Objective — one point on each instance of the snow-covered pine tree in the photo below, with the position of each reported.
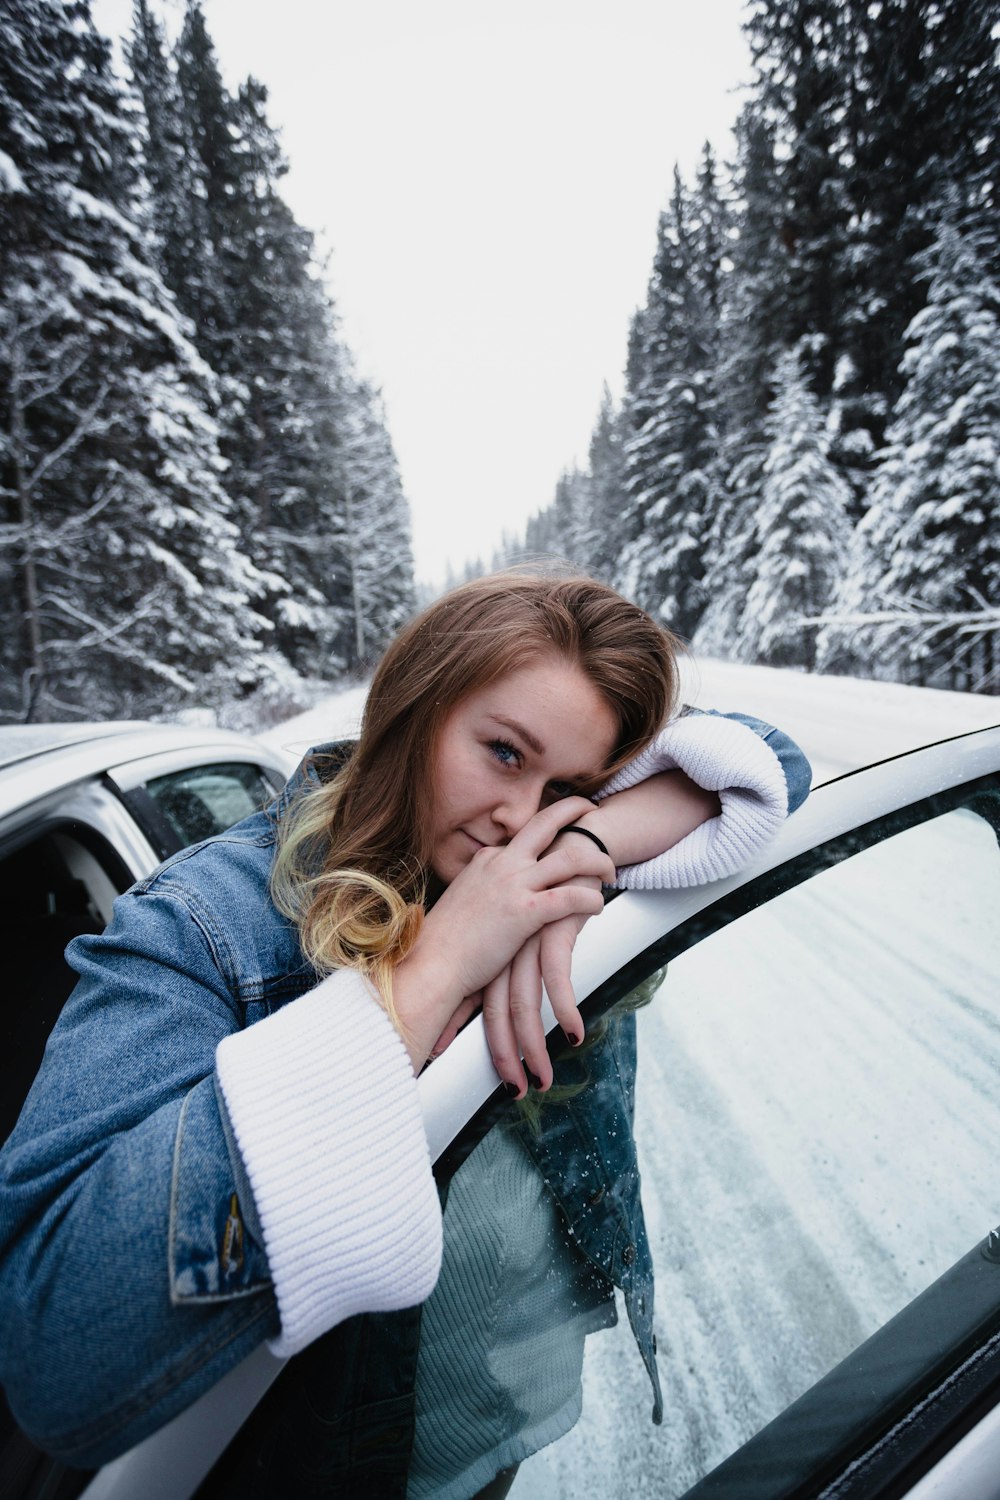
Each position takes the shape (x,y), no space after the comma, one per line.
(799,52)
(206,280)
(921,95)
(177,194)
(753,330)
(802,528)
(606,465)
(931,542)
(377,538)
(878,110)
(123,589)
(582,523)
(275,342)
(539,540)
(731,551)
(671,426)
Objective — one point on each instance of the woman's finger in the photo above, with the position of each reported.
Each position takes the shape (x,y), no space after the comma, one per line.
(467,1009)
(500,1033)
(568,901)
(556,943)
(540,829)
(569,858)
(525,1000)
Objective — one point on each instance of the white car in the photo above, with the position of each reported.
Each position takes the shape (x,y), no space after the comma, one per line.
(818,1117)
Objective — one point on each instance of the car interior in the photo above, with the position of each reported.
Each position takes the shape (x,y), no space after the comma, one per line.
(54,886)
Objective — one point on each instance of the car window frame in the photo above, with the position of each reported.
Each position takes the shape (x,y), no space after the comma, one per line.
(152,819)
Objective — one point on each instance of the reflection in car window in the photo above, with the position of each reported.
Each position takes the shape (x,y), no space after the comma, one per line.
(206,800)
(815,1139)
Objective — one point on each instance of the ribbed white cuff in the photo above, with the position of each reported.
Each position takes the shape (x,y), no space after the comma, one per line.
(723,756)
(324,1108)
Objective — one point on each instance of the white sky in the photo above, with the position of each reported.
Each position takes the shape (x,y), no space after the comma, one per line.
(487,179)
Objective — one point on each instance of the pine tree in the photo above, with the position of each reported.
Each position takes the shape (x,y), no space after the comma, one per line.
(802,528)
(931,542)
(606,462)
(383,595)
(754,329)
(116,521)
(209,280)
(878,109)
(269,329)
(177,206)
(922,98)
(671,424)
(799,50)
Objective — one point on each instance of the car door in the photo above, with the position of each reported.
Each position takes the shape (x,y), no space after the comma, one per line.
(63,860)
(816,1119)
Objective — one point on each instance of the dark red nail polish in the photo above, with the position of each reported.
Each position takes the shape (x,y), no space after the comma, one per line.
(573,1038)
(536,1083)
(510,1089)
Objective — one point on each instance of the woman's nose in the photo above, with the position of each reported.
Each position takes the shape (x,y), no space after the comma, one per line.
(519,804)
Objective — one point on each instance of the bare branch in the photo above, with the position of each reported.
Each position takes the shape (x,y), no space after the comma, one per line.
(84,427)
(983,619)
(65,571)
(101,634)
(55,382)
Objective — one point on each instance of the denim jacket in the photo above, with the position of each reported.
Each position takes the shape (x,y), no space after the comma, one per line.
(132,1278)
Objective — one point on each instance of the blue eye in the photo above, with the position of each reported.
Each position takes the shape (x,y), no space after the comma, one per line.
(506,753)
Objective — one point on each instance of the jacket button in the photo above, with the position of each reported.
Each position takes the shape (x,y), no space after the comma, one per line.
(596,1197)
(628,1255)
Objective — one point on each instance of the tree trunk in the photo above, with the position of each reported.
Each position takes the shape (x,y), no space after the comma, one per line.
(32,674)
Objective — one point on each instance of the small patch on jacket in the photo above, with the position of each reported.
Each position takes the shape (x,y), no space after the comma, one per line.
(231,1253)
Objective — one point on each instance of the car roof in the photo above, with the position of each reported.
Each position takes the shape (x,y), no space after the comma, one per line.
(49,758)
(19,741)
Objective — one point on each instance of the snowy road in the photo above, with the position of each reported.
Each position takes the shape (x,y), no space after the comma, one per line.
(818,1106)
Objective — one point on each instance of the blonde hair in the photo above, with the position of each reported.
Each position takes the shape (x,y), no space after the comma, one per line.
(353,849)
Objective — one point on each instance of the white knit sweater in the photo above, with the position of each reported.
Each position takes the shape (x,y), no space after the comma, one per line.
(324,1104)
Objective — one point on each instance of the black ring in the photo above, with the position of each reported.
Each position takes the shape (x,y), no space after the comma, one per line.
(575,828)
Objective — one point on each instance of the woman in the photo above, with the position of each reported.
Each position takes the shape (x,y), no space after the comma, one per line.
(224,1146)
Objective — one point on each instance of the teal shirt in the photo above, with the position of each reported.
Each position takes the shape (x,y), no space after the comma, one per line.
(502,1336)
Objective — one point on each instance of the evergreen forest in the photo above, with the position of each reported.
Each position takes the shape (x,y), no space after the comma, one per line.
(805,466)
(201,502)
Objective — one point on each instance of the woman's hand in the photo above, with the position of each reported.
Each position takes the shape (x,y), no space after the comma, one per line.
(503,897)
(635,825)
(512,1002)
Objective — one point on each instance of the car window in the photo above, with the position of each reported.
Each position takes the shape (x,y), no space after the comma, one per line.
(816,1140)
(200,801)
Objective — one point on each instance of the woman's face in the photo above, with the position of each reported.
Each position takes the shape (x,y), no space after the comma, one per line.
(507,750)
